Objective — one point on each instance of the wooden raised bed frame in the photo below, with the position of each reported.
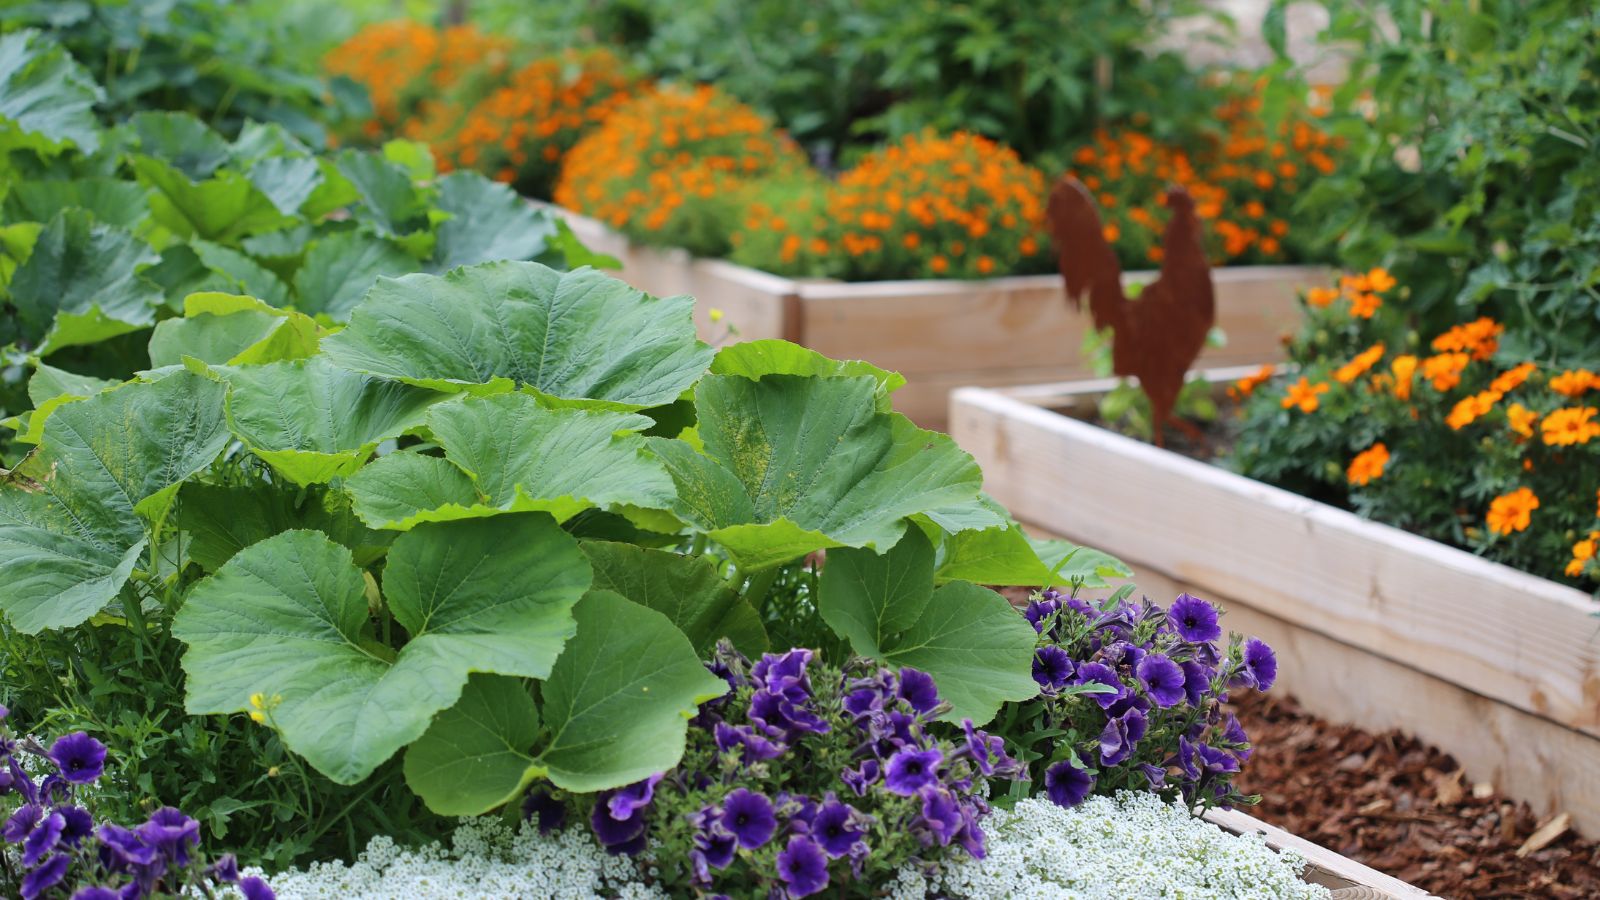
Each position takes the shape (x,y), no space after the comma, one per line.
(1373,625)
(1348,879)
(939,334)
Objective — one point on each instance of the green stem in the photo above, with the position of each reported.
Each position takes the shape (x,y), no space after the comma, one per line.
(760,583)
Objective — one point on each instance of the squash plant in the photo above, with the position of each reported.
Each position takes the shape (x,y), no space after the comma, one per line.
(496,522)
(105,232)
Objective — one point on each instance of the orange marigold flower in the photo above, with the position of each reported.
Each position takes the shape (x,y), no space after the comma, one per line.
(1582,552)
(1404,368)
(1513,378)
(1247,385)
(1368,465)
(1357,367)
(1521,419)
(1468,409)
(1303,394)
(1569,426)
(1365,305)
(939,265)
(1480,338)
(1321,296)
(1444,370)
(1574,382)
(1380,280)
(1512,512)
(1111,232)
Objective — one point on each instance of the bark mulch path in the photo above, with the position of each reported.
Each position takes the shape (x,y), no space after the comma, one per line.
(1404,808)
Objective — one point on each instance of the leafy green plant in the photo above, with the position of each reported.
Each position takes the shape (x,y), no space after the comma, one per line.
(108,231)
(1470,131)
(228,63)
(444,529)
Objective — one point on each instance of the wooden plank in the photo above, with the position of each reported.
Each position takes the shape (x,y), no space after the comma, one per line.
(915,327)
(1325,867)
(1528,643)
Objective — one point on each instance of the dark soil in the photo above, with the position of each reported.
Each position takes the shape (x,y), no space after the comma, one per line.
(1405,808)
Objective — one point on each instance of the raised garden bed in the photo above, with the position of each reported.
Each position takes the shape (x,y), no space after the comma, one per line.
(1348,879)
(1373,625)
(940,334)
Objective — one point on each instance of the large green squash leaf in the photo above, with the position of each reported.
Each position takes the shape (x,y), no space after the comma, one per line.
(390,203)
(82,284)
(616,709)
(287,618)
(488,221)
(70,513)
(231,329)
(243,274)
(977,648)
(794,464)
(511,453)
(341,268)
(314,422)
(46,99)
(575,335)
(182,140)
(224,208)
(288,181)
(219,520)
(111,200)
(49,389)
(688,590)
(755,359)
(1006,555)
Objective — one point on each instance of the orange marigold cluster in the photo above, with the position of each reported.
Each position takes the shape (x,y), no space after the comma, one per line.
(1242,182)
(1575,382)
(1480,338)
(960,206)
(1368,465)
(403,64)
(519,132)
(1363,291)
(1247,385)
(1304,395)
(1582,552)
(668,167)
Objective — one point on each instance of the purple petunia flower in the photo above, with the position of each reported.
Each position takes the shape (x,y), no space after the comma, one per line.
(1066,784)
(1162,680)
(1100,673)
(43,839)
(633,798)
(752,746)
(1196,681)
(21,822)
(1261,663)
(1156,775)
(836,827)
(1040,610)
(803,867)
(171,832)
(549,813)
(941,814)
(96,893)
(1216,760)
(1121,737)
(749,817)
(862,777)
(863,701)
(79,824)
(910,769)
(781,717)
(254,888)
(226,869)
(80,758)
(1233,732)
(123,849)
(618,836)
(1052,667)
(45,876)
(918,690)
(1194,619)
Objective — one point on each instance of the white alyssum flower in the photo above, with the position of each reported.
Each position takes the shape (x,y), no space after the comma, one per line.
(1130,847)
(487,859)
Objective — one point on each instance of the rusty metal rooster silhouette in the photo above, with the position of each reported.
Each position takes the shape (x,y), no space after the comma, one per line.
(1157,337)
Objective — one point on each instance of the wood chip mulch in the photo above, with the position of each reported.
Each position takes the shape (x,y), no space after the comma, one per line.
(1404,808)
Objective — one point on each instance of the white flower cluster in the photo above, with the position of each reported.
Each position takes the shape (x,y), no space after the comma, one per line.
(1130,847)
(487,860)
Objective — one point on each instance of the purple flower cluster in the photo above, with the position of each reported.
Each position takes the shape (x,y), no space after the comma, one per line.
(1137,693)
(793,783)
(59,844)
